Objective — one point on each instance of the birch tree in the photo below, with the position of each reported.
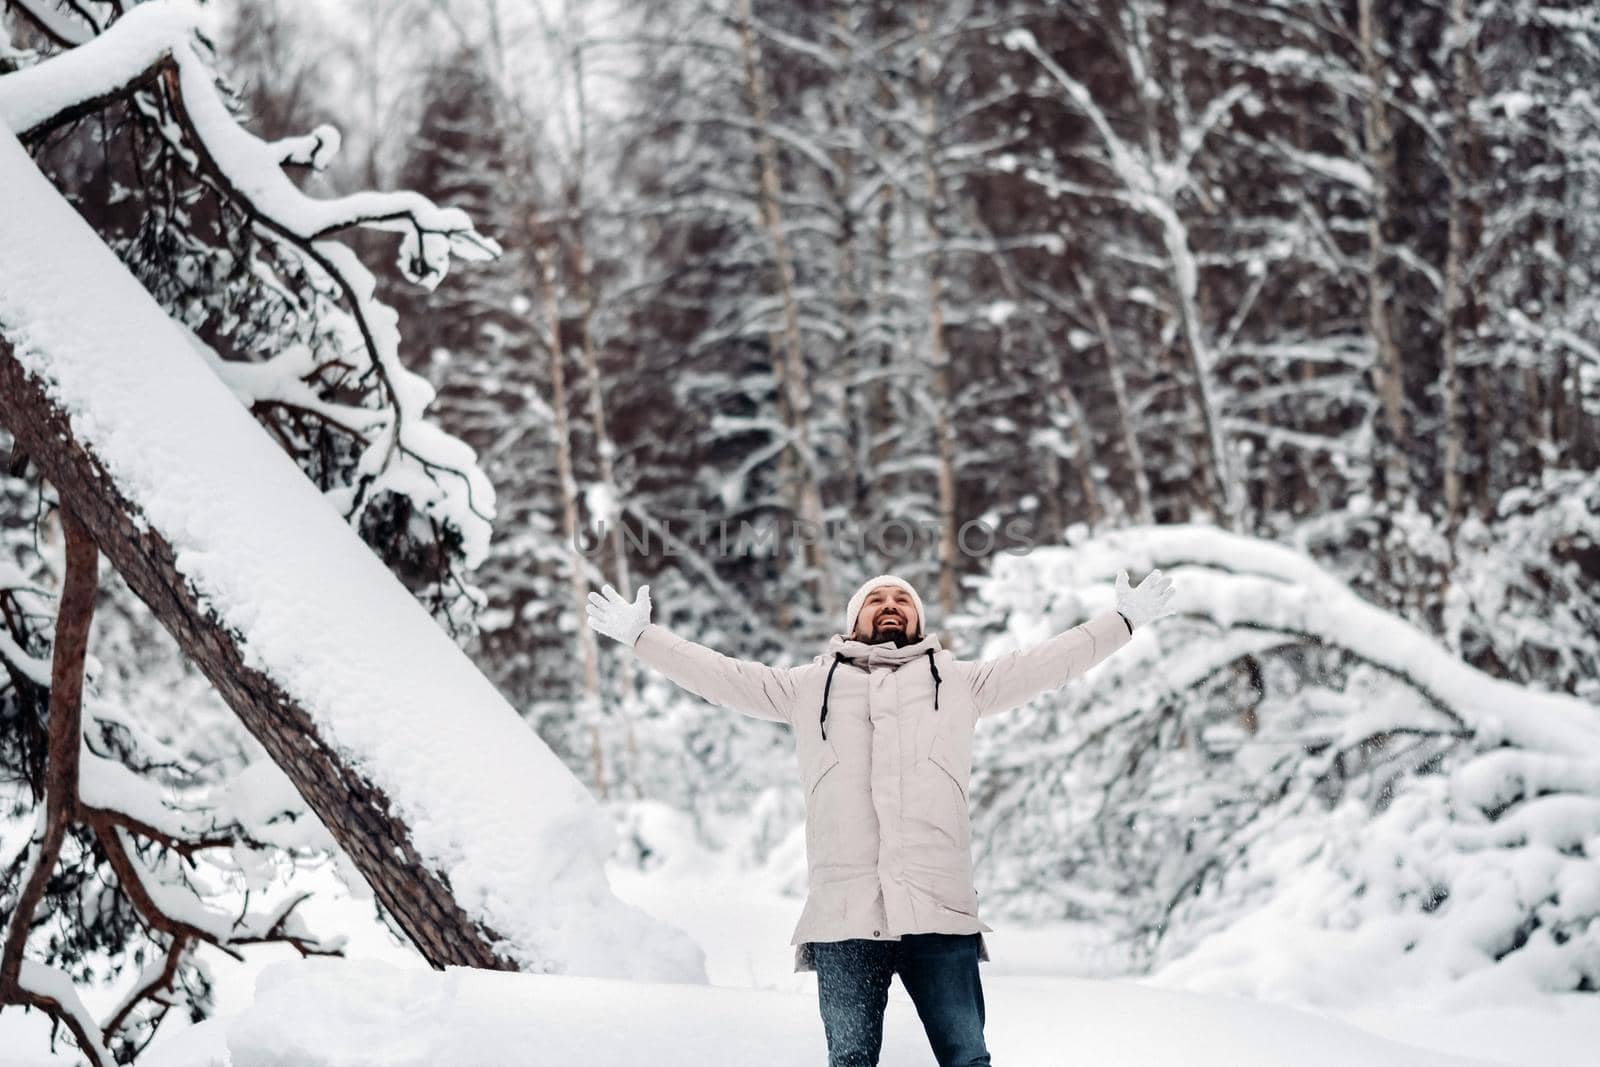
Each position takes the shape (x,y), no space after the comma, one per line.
(1149,177)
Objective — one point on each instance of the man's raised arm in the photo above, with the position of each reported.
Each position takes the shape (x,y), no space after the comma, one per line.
(741,685)
(1003,682)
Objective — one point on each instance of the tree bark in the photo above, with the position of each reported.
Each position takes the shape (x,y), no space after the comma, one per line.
(354,810)
(605,448)
(852,304)
(577,579)
(793,381)
(938,352)
(74,613)
(1127,420)
(1464,227)
(1394,458)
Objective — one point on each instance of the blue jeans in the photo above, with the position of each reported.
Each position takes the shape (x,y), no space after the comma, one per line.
(940,971)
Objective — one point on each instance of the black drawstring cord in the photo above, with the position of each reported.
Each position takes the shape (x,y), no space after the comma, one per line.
(838,658)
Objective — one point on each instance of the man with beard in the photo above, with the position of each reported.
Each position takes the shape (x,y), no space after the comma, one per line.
(883,722)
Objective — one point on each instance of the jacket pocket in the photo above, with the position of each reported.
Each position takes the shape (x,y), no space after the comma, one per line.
(947,765)
(966,904)
(825,760)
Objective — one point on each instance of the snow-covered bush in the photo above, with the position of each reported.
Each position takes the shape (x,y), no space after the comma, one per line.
(1284,780)
(1526,600)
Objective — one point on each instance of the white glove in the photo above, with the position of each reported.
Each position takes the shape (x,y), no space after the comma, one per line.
(1148,601)
(618,619)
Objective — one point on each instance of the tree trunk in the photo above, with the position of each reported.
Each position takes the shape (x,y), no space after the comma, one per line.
(576,576)
(1396,450)
(1127,422)
(604,448)
(794,382)
(355,812)
(1463,231)
(852,304)
(938,353)
(880,445)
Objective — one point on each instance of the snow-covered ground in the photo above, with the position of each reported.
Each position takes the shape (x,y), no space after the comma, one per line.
(1051,993)
(332,1013)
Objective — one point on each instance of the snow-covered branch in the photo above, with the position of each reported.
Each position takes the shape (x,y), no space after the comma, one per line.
(1240,581)
(149,843)
(72,26)
(52,992)
(155,41)
(153,49)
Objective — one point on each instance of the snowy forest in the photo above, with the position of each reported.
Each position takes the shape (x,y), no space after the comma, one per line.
(363,339)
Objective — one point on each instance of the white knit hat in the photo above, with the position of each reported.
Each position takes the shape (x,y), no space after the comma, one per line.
(868,586)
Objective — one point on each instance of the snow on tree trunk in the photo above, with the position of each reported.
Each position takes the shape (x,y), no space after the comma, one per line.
(471,832)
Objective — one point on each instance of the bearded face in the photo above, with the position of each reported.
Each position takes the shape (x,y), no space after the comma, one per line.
(888,614)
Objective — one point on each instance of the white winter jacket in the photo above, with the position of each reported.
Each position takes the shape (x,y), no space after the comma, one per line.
(884,740)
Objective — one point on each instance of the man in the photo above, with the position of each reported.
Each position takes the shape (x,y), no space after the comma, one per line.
(883,723)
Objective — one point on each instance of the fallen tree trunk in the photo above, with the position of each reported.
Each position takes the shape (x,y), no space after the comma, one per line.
(354,810)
